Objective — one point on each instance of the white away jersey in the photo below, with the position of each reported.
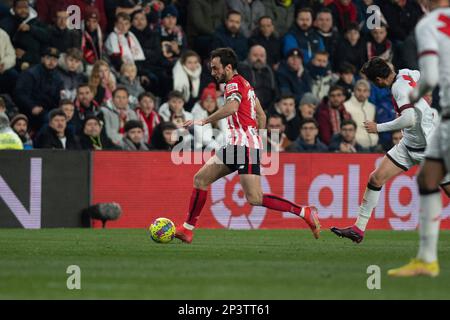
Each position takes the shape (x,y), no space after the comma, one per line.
(433,37)
(426,119)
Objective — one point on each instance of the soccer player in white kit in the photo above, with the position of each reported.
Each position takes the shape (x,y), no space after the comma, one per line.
(417,123)
(433,42)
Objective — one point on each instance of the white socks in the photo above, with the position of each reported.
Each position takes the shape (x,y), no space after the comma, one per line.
(369,202)
(188,226)
(430,211)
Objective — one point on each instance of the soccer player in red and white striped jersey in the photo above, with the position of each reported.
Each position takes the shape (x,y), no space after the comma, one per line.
(242,150)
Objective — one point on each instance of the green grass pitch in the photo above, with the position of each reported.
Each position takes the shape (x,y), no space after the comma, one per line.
(219,264)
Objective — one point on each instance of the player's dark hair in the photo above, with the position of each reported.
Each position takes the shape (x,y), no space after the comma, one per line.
(230,12)
(309,120)
(376,67)
(227,57)
(348,122)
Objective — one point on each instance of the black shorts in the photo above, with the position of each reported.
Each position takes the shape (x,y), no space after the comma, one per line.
(242,159)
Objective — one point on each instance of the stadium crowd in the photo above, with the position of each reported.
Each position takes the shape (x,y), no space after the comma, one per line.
(137,69)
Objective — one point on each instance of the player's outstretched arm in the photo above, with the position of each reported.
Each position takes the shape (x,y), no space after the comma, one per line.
(260,115)
(230,107)
(405,120)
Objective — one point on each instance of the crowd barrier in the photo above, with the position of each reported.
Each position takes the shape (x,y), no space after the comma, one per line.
(40,189)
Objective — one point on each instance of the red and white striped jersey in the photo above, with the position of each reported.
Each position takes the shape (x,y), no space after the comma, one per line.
(242,125)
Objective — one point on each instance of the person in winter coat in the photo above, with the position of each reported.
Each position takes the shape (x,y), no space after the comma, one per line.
(282,13)
(379,45)
(91,38)
(174,106)
(29,36)
(211,135)
(204,17)
(60,36)
(362,110)
(266,35)
(102,82)
(320,73)
(345,141)
(133,139)
(9,140)
(327,31)
(285,107)
(19,123)
(129,79)
(163,138)
(260,75)
(292,76)
(115,114)
(8,74)
(38,90)
(70,71)
(344,13)
(308,139)
(186,77)
(303,36)
(250,10)
(229,35)
(331,113)
(56,135)
(352,49)
(93,137)
(147,114)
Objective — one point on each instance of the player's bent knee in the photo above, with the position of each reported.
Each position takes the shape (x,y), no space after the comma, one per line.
(376,179)
(426,184)
(200,182)
(254,199)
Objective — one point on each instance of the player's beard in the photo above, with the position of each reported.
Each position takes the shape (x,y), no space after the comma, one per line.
(221,79)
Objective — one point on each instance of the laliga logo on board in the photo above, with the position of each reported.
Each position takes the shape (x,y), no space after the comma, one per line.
(232,214)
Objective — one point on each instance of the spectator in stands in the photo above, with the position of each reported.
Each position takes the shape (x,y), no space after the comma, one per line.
(229,35)
(292,76)
(250,10)
(345,140)
(286,108)
(46,9)
(308,139)
(164,137)
(328,33)
(303,36)
(319,70)
(282,13)
(91,38)
(56,135)
(379,45)
(29,36)
(351,49)
(9,140)
(362,110)
(366,17)
(174,106)
(173,39)
(401,16)
(147,115)
(115,114)
(129,79)
(158,80)
(344,13)
(102,82)
(308,106)
(8,74)
(60,36)
(73,124)
(39,88)
(204,17)
(20,126)
(266,36)
(331,113)
(70,71)
(85,104)
(211,135)
(88,6)
(186,77)
(122,46)
(260,75)
(276,139)
(93,137)
(346,78)
(133,139)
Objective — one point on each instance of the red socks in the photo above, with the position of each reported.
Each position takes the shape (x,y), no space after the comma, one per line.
(198,200)
(274,202)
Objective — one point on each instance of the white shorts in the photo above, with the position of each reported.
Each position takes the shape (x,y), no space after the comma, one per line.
(404,157)
(439,147)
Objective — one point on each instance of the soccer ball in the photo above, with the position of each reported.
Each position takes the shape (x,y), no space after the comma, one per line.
(162,230)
